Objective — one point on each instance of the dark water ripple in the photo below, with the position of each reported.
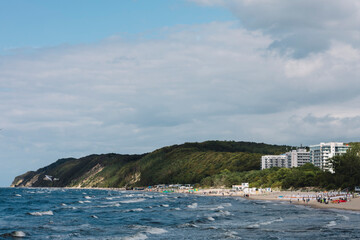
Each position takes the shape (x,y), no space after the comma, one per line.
(103,214)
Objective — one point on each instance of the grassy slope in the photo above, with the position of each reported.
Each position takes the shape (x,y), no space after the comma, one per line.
(186,163)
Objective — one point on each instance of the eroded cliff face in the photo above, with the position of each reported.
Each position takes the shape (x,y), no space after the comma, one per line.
(104,170)
(90,178)
(25,180)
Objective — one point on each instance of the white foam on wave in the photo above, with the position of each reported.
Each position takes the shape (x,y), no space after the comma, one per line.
(145,230)
(211,219)
(227,204)
(134,210)
(194,205)
(138,236)
(17,195)
(133,200)
(87,197)
(257,225)
(189,225)
(81,202)
(111,204)
(272,221)
(48,213)
(155,231)
(164,205)
(217,208)
(331,224)
(177,209)
(87,201)
(129,195)
(253,226)
(232,234)
(346,218)
(225,213)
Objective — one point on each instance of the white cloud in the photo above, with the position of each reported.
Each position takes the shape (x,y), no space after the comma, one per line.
(299,26)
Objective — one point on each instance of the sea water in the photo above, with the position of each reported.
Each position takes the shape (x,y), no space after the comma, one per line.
(46,213)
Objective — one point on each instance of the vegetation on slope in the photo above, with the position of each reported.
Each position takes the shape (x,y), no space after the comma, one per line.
(185,163)
(347,175)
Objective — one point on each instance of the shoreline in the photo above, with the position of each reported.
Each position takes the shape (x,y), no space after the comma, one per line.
(284,196)
(352,205)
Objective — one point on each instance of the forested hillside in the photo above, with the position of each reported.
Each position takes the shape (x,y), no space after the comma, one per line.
(185,163)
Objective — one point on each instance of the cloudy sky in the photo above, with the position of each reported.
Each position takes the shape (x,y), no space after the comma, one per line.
(83,77)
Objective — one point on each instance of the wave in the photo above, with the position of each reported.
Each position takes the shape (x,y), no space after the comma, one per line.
(186,225)
(155,231)
(145,230)
(331,224)
(258,224)
(194,205)
(226,204)
(133,200)
(231,234)
(48,213)
(134,210)
(346,218)
(222,213)
(138,236)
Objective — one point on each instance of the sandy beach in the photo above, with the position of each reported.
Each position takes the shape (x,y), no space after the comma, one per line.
(297,197)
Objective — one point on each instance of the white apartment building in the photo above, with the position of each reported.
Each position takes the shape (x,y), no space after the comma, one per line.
(294,158)
(269,161)
(320,154)
(297,158)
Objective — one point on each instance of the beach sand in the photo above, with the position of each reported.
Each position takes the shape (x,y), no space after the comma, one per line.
(353,204)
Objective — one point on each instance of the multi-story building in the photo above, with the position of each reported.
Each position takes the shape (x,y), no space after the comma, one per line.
(320,154)
(294,158)
(297,158)
(269,161)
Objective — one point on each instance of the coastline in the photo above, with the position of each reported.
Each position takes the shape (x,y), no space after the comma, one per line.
(352,205)
(285,196)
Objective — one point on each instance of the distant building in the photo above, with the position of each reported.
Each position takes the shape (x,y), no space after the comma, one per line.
(320,154)
(240,187)
(269,161)
(294,158)
(297,158)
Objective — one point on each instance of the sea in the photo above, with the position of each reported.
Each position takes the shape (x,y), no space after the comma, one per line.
(55,213)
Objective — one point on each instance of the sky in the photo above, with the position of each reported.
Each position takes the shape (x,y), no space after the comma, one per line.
(90,77)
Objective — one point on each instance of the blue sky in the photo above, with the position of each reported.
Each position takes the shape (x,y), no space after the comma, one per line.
(39,23)
(88,77)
